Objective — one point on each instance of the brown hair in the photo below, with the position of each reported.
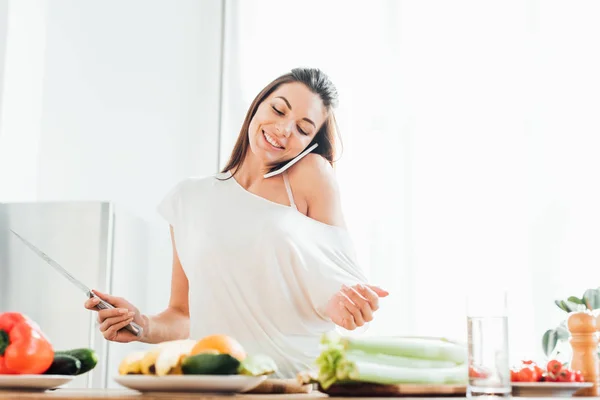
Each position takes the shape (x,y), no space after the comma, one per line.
(318,83)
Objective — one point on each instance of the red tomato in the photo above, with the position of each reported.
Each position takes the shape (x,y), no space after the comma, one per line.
(565,376)
(477,372)
(549,377)
(578,376)
(527,362)
(554,367)
(528,374)
(514,375)
(540,371)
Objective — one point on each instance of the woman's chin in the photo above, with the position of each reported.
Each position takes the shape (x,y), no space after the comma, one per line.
(267,156)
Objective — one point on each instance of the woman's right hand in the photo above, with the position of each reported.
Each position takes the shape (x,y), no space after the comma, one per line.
(112,320)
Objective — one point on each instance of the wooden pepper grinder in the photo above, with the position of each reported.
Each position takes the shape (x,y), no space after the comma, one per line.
(583,326)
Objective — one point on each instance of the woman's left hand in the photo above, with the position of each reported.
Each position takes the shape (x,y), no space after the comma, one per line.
(354,306)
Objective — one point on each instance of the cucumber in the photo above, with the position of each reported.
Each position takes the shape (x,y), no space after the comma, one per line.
(64,365)
(210,364)
(87,357)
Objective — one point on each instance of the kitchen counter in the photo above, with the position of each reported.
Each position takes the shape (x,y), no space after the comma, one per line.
(124,394)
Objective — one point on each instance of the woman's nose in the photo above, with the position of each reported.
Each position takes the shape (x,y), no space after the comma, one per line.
(285,128)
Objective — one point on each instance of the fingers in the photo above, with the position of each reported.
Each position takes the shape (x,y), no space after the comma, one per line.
(106,297)
(354,307)
(353,315)
(114,331)
(107,323)
(370,295)
(112,320)
(379,291)
(360,303)
(91,303)
(112,313)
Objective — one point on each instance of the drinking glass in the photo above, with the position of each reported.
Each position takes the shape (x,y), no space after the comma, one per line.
(487,328)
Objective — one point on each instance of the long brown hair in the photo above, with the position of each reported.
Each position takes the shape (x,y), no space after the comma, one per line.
(318,83)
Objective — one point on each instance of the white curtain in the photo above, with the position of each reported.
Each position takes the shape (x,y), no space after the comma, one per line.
(471,140)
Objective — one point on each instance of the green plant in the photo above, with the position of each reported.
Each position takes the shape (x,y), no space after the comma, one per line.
(590,300)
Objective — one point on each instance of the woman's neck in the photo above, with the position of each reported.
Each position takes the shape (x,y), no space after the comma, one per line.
(251,171)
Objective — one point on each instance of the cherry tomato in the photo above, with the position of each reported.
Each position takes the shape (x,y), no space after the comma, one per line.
(476,372)
(565,375)
(578,376)
(527,362)
(528,374)
(540,371)
(554,367)
(514,375)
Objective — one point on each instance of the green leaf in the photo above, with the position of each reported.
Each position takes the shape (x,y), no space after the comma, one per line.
(575,300)
(549,341)
(567,306)
(591,299)
(562,331)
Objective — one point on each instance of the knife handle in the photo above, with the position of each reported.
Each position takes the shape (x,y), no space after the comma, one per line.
(132,327)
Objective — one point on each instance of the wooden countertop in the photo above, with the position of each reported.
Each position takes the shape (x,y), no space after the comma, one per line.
(125,394)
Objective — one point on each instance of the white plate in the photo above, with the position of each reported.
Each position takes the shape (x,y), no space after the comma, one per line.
(547,389)
(190,383)
(33,382)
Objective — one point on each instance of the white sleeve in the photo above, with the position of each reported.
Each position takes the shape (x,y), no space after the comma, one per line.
(171,206)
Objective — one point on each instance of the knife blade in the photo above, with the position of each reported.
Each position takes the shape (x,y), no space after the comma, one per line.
(132,327)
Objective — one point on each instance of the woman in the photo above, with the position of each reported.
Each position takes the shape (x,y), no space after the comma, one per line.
(265,260)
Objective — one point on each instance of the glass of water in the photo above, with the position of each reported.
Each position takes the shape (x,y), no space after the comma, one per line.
(487,327)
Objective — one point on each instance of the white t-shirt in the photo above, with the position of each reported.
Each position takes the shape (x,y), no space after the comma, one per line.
(259,271)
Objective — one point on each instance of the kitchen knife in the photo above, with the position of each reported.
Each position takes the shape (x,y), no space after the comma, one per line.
(132,327)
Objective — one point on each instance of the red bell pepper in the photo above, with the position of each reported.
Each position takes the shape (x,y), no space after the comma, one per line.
(24,349)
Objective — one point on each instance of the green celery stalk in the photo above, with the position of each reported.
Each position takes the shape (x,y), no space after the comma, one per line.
(335,366)
(396,361)
(386,374)
(425,349)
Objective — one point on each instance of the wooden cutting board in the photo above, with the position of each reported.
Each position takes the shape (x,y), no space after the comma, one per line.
(281,386)
(374,390)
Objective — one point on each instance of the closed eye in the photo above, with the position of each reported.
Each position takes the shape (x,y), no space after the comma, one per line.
(281,113)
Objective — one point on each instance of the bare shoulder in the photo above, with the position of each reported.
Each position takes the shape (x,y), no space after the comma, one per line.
(311,170)
(314,182)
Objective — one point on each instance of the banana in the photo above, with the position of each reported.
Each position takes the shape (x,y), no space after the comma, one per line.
(147,364)
(171,355)
(131,364)
(163,359)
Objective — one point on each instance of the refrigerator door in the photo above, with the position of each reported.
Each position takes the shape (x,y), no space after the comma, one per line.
(79,236)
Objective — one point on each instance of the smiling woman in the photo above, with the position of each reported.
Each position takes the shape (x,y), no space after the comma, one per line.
(277,132)
(266,260)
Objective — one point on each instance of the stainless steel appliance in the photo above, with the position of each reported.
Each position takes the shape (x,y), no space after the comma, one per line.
(104,246)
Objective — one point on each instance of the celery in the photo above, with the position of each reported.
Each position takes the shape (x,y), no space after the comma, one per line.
(397,361)
(420,348)
(390,361)
(337,367)
(386,374)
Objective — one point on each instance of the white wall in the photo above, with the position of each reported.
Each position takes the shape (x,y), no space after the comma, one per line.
(22,85)
(128,105)
(3,30)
